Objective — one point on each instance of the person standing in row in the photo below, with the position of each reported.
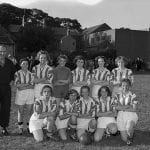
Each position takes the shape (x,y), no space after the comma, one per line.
(42,73)
(100,76)
(7,70)
(61,78)
(119,73)
(25,93)
(80,75)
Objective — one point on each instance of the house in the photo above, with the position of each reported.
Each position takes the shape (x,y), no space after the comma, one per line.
(68,43)
(92,33)
(130,43)
(127,42)
(6,39)
(66,40)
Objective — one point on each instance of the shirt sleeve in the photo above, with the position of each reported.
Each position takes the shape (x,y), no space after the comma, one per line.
(61,108)
(17,78)
(54,106)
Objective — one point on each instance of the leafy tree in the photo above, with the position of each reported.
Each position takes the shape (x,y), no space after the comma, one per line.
(33,38)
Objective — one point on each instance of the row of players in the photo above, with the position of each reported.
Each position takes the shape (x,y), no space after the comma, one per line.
(84,115)
(61,79)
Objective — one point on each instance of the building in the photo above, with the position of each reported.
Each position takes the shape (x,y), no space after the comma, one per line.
(6,39)
(66,40)
(130,43)
(127,42)
(92,35)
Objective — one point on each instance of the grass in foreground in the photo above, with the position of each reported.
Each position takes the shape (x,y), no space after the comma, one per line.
(142,134)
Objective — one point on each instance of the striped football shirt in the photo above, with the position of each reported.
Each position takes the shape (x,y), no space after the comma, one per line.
(47,106)
(23,78)
(87,106)
(101,75)
(102,106)
(117,75)
(44,72)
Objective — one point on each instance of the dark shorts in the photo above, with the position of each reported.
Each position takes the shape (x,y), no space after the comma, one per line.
(60,91)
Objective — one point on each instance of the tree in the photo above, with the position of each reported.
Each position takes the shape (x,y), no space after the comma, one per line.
(33,38)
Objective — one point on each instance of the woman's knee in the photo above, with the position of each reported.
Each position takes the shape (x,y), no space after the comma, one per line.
(98,135)
(38,135)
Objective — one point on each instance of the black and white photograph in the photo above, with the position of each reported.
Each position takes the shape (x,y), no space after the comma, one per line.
(74,75)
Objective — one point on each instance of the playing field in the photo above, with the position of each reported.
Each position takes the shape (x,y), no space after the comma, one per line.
(142,134)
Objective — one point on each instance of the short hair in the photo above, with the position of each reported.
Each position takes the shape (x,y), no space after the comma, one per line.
(46,86)
(119,58)
(62,57)
(107,90)
(72,91)
(99,57)
(84,87)
(127,81)
(43,52)
(79,57)
(23,59)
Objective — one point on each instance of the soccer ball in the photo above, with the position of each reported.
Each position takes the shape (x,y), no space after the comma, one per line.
(85,139)
(92,125)
(112,128)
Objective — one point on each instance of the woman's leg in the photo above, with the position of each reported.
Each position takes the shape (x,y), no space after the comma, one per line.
(80,132)
(63,134)
(130,128)
(124,135)
(38,135)
(99,134)
(29,113)
(20,118)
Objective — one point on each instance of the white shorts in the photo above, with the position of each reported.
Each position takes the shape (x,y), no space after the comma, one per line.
(38,88)
(24,97)
(83,123)
(95,89)
(124,117)
(77,88)
(36,124)
(61,124)
(102,122)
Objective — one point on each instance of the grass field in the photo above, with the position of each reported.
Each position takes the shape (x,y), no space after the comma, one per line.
(142,134)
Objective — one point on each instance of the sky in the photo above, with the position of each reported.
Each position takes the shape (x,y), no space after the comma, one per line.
(132,14)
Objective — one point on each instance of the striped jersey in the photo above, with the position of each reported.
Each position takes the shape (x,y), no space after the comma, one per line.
(23,78)
(128,99)
(44,72)
(117,75)
(87,106)
(65,106)
(101,75)
(102,106)
(80,75)
(47,106)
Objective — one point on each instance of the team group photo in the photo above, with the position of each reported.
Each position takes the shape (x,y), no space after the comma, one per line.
(65,87)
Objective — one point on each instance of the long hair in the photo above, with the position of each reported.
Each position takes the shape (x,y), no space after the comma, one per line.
(107,90)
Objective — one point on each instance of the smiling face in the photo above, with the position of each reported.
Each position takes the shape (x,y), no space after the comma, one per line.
(43,59)
(80,63)
(121,63)
(104,93)
(24,65)
(101,62)
(47,92)
(125,87)
(72,97)
(62,62)
(85,93)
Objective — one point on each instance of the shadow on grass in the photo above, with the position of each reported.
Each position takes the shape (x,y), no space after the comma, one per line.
(140,138)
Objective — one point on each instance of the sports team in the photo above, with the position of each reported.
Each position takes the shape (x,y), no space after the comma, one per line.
(76,104)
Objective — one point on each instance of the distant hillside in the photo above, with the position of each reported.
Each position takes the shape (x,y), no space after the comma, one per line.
(10,14)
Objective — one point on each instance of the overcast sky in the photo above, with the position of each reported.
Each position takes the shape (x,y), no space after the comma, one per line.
(132,14)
